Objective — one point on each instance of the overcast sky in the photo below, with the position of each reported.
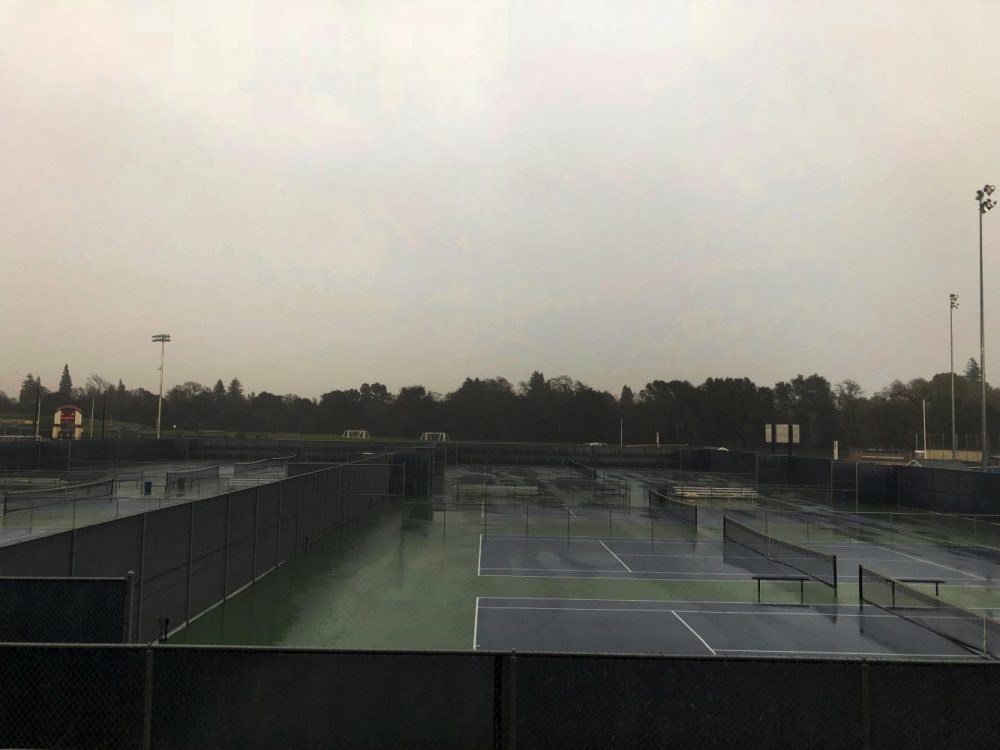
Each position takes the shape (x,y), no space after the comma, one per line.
(309,195)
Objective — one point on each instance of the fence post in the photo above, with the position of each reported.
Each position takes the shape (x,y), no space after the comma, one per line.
(866,715)
(127,623)
(509,703)
(256,508)
(225,558)
(298,502)
(187,605)
(147,702)
(142,572)
(312,513)
(277,531)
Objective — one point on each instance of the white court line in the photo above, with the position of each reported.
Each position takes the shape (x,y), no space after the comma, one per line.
(930,562)
(615,539)
(640,573)
(570,510)
(651,601)
(715,555)
(475,628)
(479,565)
(616,557)
(563,570)
(695,633)
(769,612)
(847,653)
(623,578)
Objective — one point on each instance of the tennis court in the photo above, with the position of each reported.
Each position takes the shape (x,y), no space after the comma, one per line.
(40,502)
(708,559)
(703,628)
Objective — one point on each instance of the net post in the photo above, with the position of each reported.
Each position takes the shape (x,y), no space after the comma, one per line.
(835,577)
(892,587)
(861,587)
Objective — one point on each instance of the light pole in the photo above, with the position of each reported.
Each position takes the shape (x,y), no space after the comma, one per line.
(161,339)
(951,338)
(985,204)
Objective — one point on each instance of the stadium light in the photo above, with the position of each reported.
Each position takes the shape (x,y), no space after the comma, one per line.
(161,339)
(986,204)
(953,305)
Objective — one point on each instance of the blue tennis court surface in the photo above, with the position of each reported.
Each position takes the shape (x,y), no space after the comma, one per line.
(703,559)
(700,628)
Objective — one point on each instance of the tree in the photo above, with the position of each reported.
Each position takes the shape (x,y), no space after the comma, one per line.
(807,401)
(235,391)
(27,394)
(219,390)
(972,371)
(627,398)
(96,385)
(535,387)
(65,384)
(848,397)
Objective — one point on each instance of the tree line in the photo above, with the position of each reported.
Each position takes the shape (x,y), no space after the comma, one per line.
(728,412)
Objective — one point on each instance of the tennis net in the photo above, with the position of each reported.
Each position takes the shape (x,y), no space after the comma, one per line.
(813,563)
(975,632)
(248,467)
(28,499)
(686,512)
(280,461)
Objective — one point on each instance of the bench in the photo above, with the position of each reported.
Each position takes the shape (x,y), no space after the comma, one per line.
(768,577)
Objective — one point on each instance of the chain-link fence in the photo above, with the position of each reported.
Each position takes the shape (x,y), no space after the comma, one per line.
(167,696)
(192,555)
(65,610)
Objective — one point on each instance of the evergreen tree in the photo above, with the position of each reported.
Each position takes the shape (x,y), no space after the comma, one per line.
(219,390)
(27,394)
(972,371)
(627,398)
(65,384)
(235,391)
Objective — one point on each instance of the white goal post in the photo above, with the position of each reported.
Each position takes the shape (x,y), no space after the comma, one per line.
(436,437)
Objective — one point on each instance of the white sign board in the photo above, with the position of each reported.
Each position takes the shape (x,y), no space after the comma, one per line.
(780,432)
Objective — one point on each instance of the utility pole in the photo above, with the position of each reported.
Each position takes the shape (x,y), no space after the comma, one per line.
(951,339)
(923,402)
(161,339)
(985,204)
(38,405)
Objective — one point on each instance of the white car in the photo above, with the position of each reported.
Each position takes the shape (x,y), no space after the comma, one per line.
(596,445)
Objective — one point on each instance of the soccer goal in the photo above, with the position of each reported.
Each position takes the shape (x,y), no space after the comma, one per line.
(435,437)
(357,434)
